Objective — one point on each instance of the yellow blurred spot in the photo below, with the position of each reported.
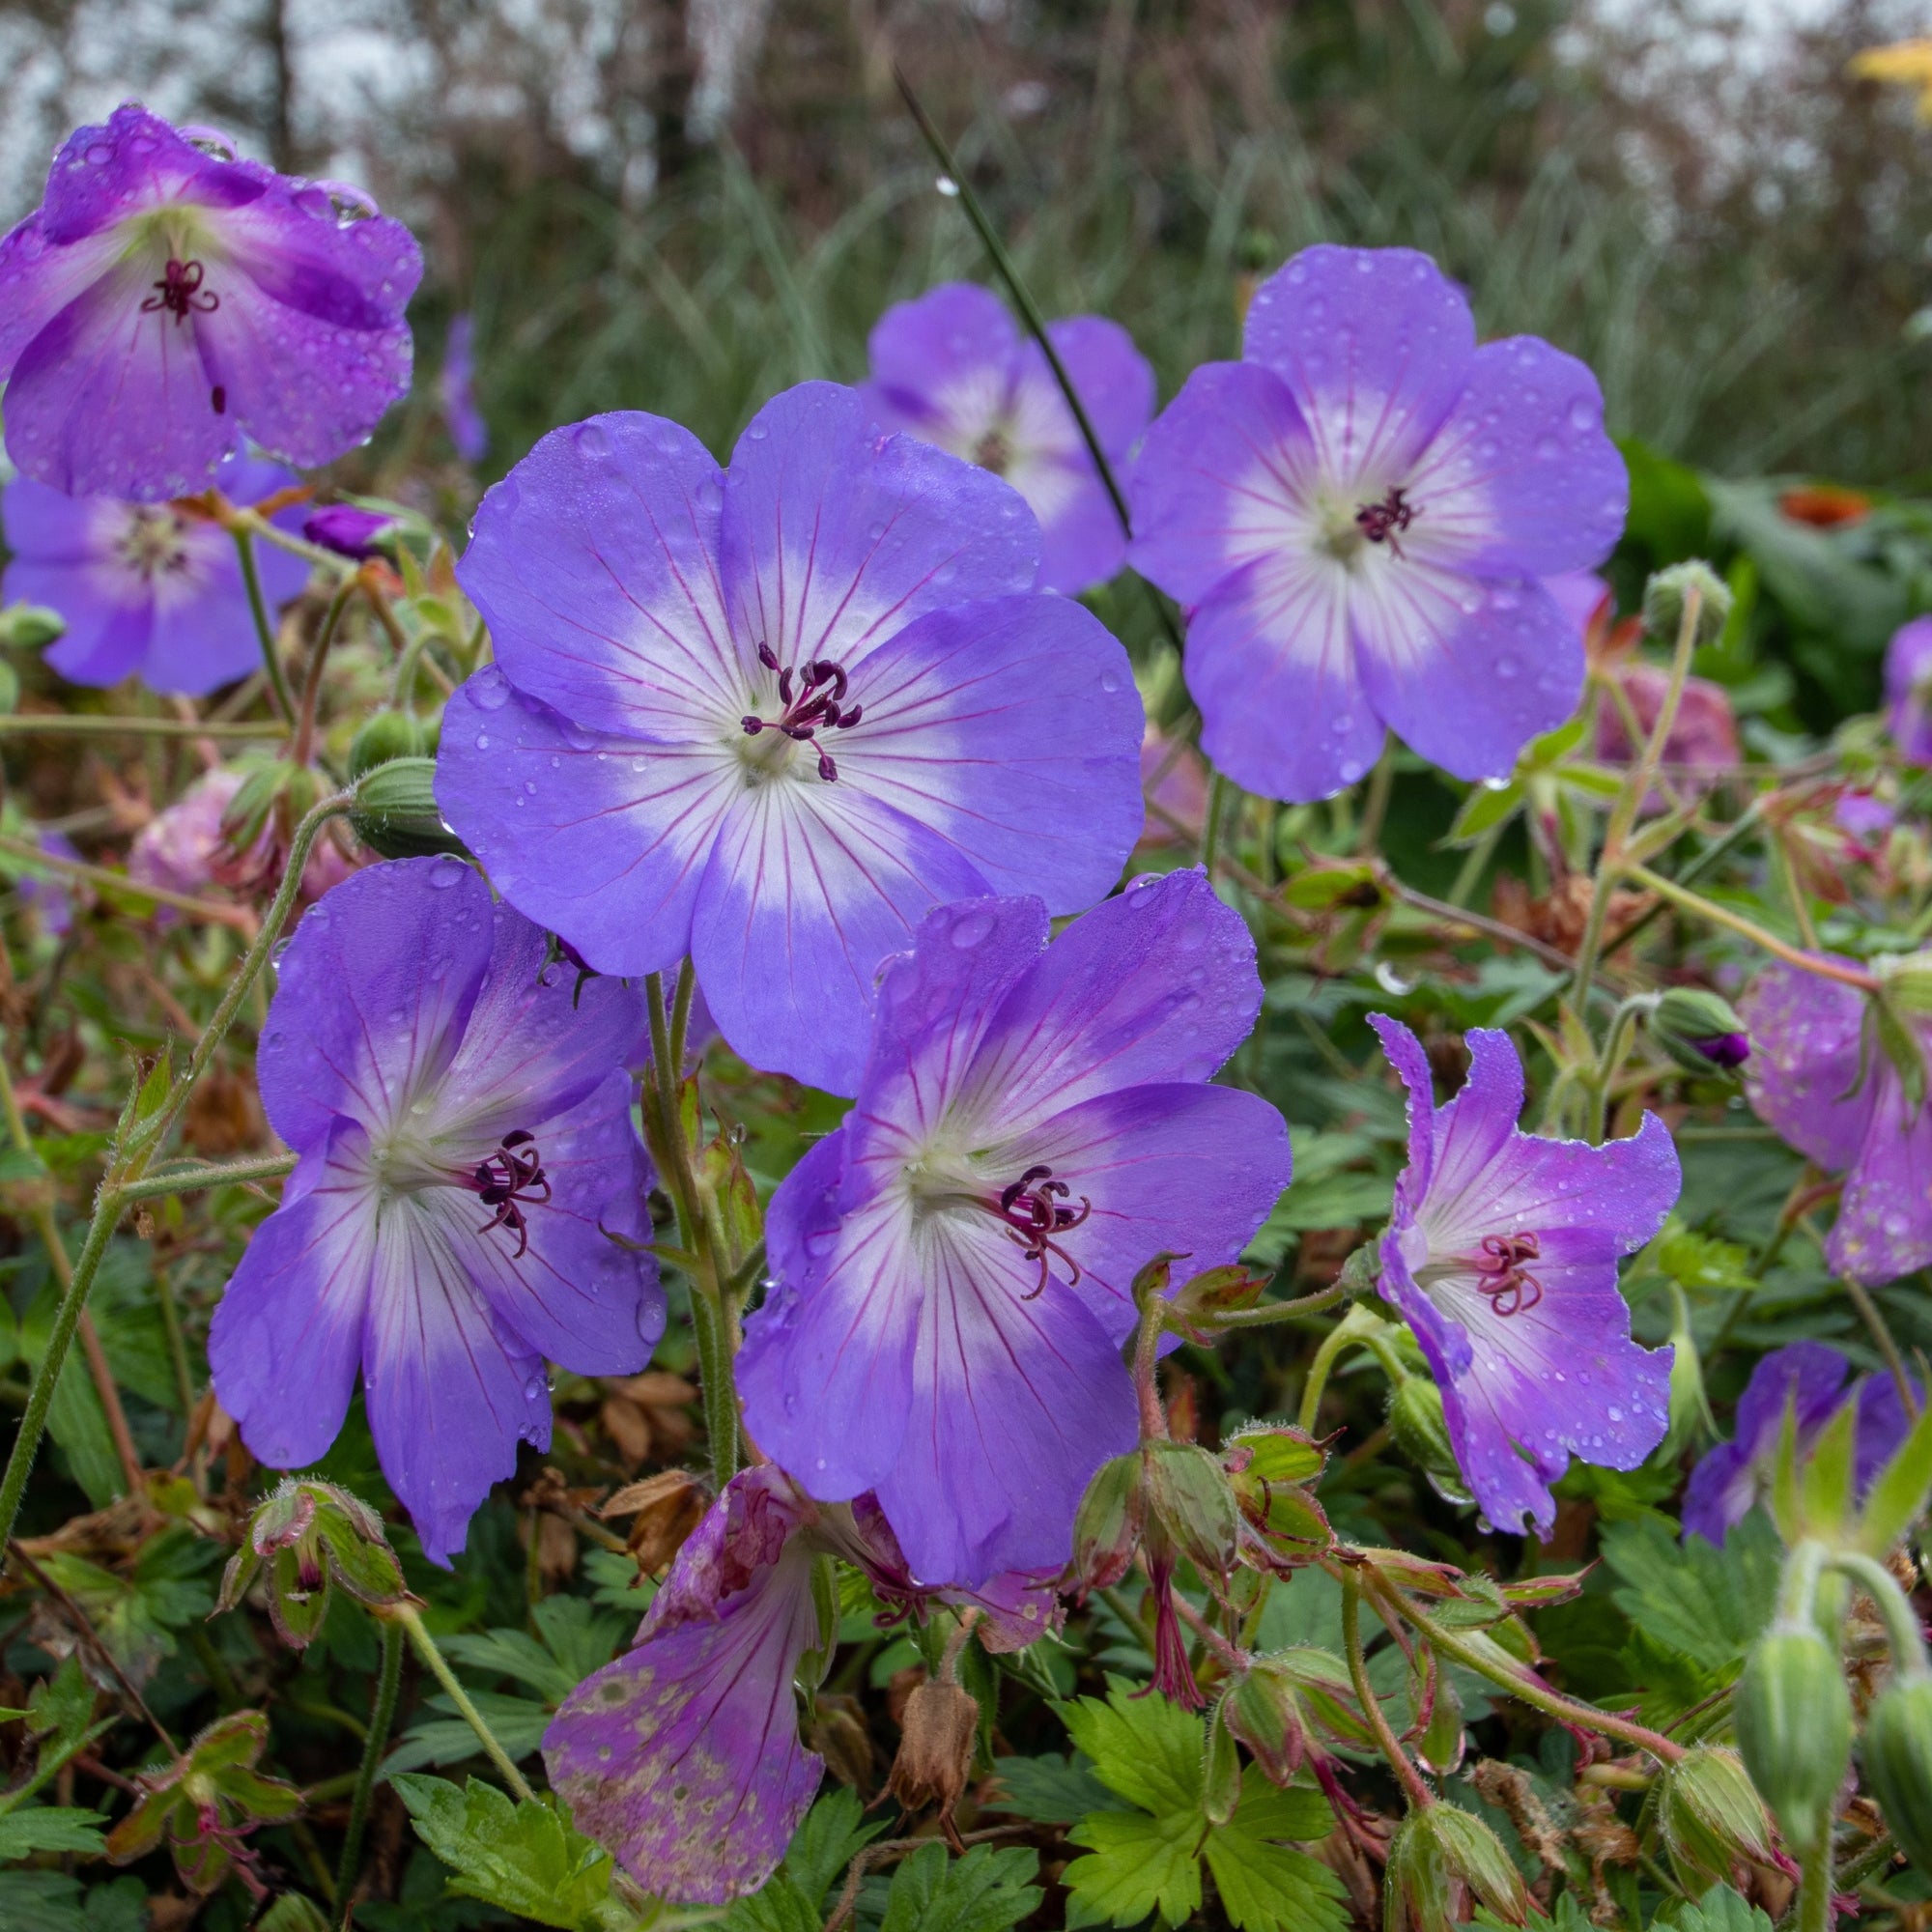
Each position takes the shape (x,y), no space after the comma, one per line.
(1909,63)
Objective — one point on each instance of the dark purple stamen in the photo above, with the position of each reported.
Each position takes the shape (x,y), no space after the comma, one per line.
(1384,522)
(1031,1207)
(181,292)
(508,1181)
(1509,1285)
(818,704)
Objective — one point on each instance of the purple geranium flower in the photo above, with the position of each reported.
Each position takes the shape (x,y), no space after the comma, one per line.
(1358,517)
(1809,1378)
(147,589)
(1908,673)
(951,1268)
(464,1126)
(167,298)
(953,369)
(772,716)
(1502,1255)
(456,386)
(1819,1076)
(683,1757)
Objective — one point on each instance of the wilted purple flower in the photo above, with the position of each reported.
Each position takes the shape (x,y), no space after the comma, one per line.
(1821,1078)
(772,716)
(951,1268)
(1502,1254)
(1358,516)
(1703,738)
(347,529)
(456,386)
(183,847)
(683,1757)
(463,1127)
(1809,1378)
(1868,818)
(950,368)
(147,589)
(1908,675)
(167,299)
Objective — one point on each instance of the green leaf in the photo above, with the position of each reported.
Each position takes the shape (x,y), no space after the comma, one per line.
(987,1890)
(1703,1603)
(1696,1261)
(835,1830)
(777,1906)
(1264,1886)
(1135,1864)
(38,1901)
(51,1828)
(1146,1748)
(447,1737)
(1898,1492)
(1720,1910)
(523,1856)
(1486,808)
(292,1912)
(1051,1790)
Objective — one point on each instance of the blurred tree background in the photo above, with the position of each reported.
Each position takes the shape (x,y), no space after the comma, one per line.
(682,205)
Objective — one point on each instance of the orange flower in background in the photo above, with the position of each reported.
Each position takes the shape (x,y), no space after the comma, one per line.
(1907,62)
(1826,506)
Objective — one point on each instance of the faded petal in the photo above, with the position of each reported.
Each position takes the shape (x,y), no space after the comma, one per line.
(1884,1228)
(1802,1076)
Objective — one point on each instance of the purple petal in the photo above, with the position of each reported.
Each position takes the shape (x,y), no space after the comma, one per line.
(1803,1077)
(1225,479)
(1908,658)
(595,562)
(1113,379)
(450,1391)
(1081,541)
(599,836)
(1405,1055)
(805,892)
(1376,345)
(1521,480)
(287,1337)
(1464,671)
(373,993)
(833,539)
(1012,729)
(1156,984)
(1884,1423)
(1185,1168)
(1884,1228)
(1726,1481)
(683,1757)
(943,364)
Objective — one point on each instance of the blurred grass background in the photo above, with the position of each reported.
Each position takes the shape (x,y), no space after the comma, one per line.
(683,205)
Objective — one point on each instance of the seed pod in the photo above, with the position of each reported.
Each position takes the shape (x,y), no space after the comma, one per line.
(1712,1817)
(1435,1853)
(395,811)
(1107,1529)
(1421,1431)
(1188,1492)
(389,734)
(31,626)
(938,1736)
(1220,1769)
(1794,1722)
(1898,1757)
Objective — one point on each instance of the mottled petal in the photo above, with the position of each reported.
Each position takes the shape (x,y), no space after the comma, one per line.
(1804,1074)
(834,539)
(373,994)
(1376,345)
(1884,1228)
(287,1337)
(683,1757)
(1521,480)
(595,562)
(1012,729)
(1464,671)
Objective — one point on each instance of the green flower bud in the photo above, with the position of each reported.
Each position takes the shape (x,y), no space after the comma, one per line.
(1897,1757)
(1699,1029)
(395,811)
(31,626)
(309,1535)
(1435,1853)
(1712,1817)
(1272,1471)
(1421,1431)
(389,734)
(1666,593)
(1107,1528)
(1794,1724)
(1189,1495)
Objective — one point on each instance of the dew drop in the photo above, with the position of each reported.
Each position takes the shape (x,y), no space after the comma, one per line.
(446,872)
(489,689)
(971,929)
(593,439)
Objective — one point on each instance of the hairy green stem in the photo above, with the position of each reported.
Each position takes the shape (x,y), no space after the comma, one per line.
(92,725)
(1908,1655)
(1375,807)
(209,1174)
(382,1714)
(411,1618)
(1717,915)
(1272,1312)
(209,910)
(302,750)
(1873,1317)
(1420,1797)
(1814,1913)
(1210,822)
(265,630)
